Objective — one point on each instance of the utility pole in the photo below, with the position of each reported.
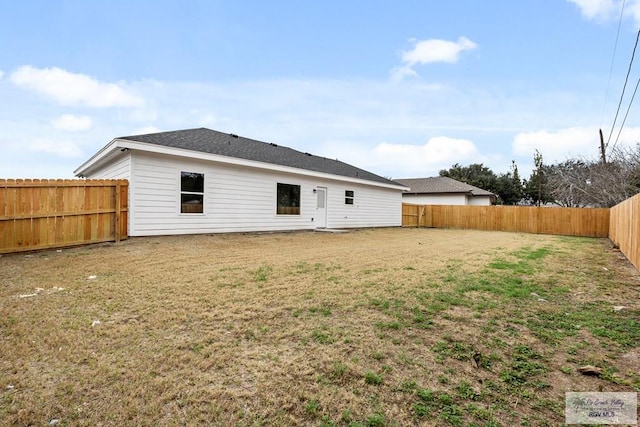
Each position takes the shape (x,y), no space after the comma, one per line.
(603,151)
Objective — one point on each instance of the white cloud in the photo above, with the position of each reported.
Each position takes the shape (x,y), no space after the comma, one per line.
(428,52)
(633,9)
(437,150)
(557,145)
(571,142)
(416,160)
(595,9)
(1,74)
(69,88)
(72,123)
(344,119)
(629,137)
(607,10)
(435,50)
(399,73)
(62,149)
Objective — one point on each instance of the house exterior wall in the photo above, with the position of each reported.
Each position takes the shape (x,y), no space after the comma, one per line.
(435,199)
(242,199)
(118,168)
(446,199)
(479,200)
(372,207)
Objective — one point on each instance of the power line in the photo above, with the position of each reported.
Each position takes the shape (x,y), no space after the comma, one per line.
(626,114)
(623,88)
(613,57)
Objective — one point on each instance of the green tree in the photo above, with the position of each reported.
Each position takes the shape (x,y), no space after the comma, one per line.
(508,186)
(510,190)
(475,174)
(536,189)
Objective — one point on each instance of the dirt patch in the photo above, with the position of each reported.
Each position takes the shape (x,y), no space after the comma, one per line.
(370,327)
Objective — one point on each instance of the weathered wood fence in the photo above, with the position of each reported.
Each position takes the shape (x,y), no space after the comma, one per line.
(525,219)
(40,214)
(624,228)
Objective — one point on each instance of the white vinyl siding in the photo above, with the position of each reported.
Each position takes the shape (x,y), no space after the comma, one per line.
(446,199)
(118,168)
(479,200)
(242,199)
(236,199)
(436,199)
(372,207)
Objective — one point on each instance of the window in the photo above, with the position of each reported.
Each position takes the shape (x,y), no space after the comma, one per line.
(321,192)
(348,197)
(288,199)
(191,192)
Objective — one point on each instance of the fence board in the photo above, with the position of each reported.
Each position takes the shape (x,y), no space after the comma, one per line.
(43,214)
(624,228)
(526,219)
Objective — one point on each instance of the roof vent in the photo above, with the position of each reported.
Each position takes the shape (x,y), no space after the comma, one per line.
(272,144)
(308,154)
(233,135)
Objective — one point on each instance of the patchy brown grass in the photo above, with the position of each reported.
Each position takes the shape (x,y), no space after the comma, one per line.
(371,327)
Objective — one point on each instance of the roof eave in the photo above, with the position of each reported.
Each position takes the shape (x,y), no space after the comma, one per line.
(97,158)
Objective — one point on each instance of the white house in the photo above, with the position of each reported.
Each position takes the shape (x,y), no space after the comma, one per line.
(205,181)
(440,190)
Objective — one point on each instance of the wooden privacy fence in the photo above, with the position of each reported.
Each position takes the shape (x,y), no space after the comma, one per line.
(624,228)
(525,219)
(40,214)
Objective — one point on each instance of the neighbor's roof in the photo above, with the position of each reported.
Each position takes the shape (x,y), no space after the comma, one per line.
(213,142)
(442,184)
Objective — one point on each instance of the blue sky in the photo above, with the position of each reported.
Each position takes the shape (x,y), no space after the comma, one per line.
(402,88)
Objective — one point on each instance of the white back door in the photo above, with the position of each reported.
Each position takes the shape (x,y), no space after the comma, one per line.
(321,207)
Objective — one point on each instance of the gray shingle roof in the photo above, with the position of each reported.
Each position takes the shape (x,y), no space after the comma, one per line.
(213,142)
(442,184)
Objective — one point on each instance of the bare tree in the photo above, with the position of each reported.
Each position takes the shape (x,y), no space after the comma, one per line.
(585,182)
(567,181)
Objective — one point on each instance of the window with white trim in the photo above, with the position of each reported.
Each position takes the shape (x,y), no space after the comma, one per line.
(348,197)
(191,193)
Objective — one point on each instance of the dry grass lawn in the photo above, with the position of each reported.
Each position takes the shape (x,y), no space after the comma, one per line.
(367,328)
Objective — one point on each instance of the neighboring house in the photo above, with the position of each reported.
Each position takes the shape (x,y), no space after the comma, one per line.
(204,181)
(440,190)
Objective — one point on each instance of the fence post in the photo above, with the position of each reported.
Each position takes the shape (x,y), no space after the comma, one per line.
(117,212)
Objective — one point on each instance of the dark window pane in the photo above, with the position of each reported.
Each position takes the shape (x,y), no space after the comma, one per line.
(288,202)
(348,201)
(191,203)
(348,193)
(192,182)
